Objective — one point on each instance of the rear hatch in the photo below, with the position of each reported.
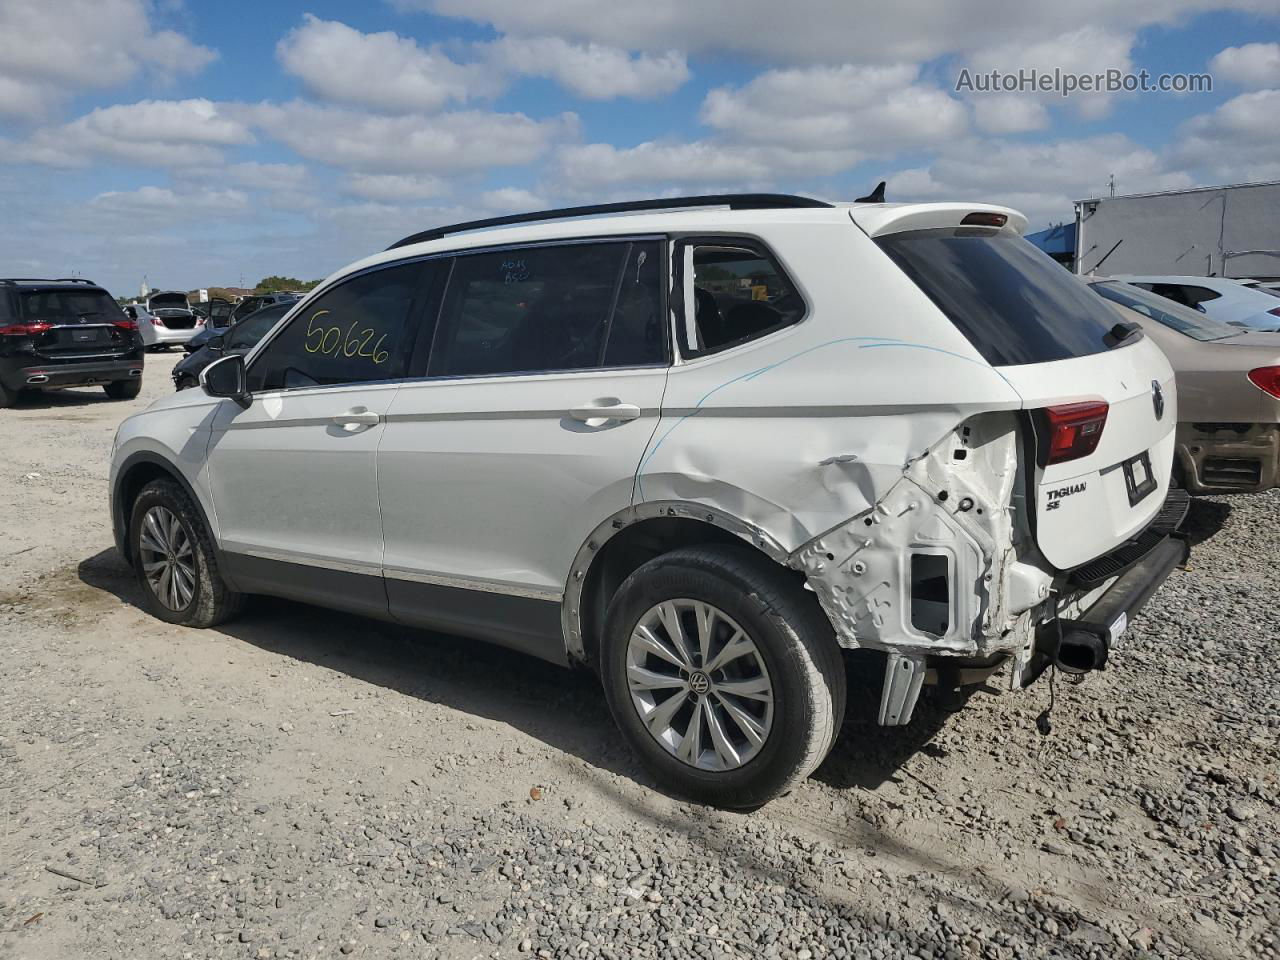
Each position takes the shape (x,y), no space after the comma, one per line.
(1100,399)
(67,324)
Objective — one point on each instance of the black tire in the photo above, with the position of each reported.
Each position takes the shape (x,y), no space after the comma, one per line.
(123,389)
(185,382)
(212,602)
(7,397)
(794,639)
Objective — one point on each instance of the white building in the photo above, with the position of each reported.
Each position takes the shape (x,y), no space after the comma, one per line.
(1226,231)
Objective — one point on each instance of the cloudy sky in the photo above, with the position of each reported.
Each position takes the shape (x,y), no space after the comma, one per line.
(208,142)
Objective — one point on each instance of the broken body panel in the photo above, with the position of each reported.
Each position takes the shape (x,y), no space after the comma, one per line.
(883,457)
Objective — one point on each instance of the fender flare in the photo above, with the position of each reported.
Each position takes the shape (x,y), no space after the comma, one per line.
(570,608)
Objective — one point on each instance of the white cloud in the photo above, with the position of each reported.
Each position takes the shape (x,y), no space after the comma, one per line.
(52,49)
(699,162)
(1252,66)
(162,204)
(382,71)
(512,200)
(267,176)
(1009,113)
(450,143)
(395,187)
(150,133)
(820,31)
(1239,141)
(874,109)
(592,70)
(1040,179)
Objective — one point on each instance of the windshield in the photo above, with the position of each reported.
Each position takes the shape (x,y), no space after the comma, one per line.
(1174,316)
(55,306)
(1012,302)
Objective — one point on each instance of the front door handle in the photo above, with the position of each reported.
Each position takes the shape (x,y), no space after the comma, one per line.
(355,418)
(599,412)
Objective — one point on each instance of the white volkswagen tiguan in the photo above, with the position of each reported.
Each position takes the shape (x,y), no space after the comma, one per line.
(702,448)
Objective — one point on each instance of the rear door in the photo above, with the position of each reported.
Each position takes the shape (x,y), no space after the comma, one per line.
(1100,405)
(542,390)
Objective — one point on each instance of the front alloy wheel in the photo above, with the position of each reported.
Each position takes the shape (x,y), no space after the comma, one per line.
(168,559)
(700,685)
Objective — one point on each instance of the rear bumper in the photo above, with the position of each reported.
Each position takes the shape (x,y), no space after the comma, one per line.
(1229,457)
(169,336)
(71,374)
(1084,643)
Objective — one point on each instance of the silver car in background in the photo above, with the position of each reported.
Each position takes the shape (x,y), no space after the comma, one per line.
(1228,437)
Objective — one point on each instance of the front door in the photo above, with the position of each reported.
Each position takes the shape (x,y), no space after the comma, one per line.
(294,476)
(542,391)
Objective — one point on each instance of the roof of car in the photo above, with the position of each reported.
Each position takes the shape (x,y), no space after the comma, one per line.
(704,217)
(43,284)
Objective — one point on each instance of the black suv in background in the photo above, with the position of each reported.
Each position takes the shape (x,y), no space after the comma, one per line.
(256,301)
(66,333)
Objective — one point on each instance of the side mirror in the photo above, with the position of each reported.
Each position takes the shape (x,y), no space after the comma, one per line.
(227,378)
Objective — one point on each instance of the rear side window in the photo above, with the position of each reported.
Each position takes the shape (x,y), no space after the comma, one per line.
(357,332)
(58,306)
(1012,302)
(740,293)
(561,307)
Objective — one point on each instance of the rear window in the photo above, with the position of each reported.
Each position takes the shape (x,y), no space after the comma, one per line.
(1176,317)
(60,305)
(1012,302)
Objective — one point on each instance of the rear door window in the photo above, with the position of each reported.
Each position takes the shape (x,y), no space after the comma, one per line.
(559,307)
(1010,300)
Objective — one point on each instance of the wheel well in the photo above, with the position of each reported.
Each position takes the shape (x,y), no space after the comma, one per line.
(128,488)
(626,551)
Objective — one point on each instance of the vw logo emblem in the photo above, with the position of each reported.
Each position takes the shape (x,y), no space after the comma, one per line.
(1157,399)
(699,682)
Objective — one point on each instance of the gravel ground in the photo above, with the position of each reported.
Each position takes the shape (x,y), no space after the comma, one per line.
(305,784)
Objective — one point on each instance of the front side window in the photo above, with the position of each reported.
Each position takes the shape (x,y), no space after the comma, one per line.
(246,334)
(356,332)
(561,307)
(740,294)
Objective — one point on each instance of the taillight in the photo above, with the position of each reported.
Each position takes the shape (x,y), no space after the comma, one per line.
(24,329)
(1074,429)
(984,219)
(125,324)
(1274,311)
(156,321)
(1268,379)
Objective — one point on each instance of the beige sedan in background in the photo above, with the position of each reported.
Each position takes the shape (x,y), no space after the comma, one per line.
(1228,437)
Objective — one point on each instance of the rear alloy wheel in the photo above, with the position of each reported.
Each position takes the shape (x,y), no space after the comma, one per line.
(174,559)
(123,389)
(723,674)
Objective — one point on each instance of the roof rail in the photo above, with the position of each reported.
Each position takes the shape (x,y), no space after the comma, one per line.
(47,280)
(734,201)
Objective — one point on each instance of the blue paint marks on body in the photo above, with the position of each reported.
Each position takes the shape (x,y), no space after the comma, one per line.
(864,343)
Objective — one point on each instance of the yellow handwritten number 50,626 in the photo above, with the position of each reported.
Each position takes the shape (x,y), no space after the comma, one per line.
(332,341)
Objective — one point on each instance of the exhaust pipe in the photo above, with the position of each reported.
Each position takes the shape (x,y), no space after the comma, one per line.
(135,372)
(38,378)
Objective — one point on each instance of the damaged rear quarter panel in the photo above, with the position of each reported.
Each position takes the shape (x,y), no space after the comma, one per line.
(803,431)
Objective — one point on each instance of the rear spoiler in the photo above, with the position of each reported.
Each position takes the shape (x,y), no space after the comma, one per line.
(876,221)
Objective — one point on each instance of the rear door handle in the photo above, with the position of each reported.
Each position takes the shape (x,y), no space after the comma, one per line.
(355,418)
(599,412)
